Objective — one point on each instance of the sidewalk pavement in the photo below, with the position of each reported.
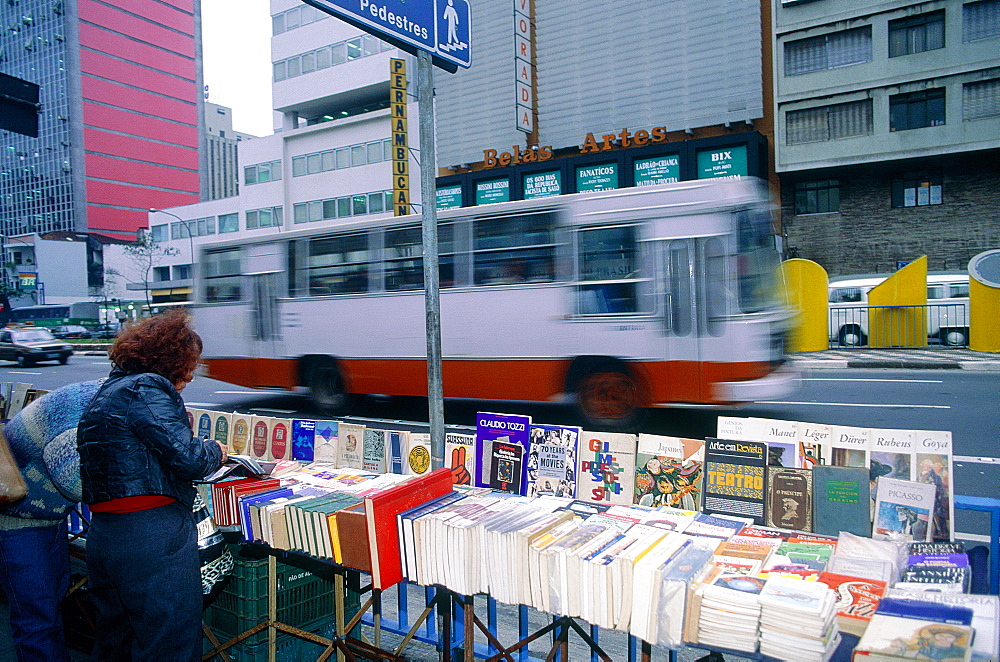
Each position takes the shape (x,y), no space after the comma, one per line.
(938,358)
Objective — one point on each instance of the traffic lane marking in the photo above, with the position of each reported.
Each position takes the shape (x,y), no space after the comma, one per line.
(857,404)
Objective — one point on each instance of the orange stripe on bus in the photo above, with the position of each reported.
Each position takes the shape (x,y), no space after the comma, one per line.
(501,379)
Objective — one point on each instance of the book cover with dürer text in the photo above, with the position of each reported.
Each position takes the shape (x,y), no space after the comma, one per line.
(735,478)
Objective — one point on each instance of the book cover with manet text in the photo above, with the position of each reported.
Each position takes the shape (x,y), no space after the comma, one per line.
(782,439)
(552,460)
(607,467)
(735,478)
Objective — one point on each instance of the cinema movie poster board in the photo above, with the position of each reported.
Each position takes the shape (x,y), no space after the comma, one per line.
(735,478)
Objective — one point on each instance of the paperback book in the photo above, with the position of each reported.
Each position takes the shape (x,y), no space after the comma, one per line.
(460,457)
(240,428)
(502,442)
(668,471)
(417,452)
(934,466)
(350,445)
(326,447)
(814,444)
(841,500)
(849,446)
(735,479)
(914,629)
(280,432)
(260,437)
(374,451)
(892,453)
(303,439)
(903,509)
(607,467)
(782,439)
(552,460)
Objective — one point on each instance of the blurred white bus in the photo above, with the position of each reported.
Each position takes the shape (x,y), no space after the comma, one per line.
(615,300)
(947,310)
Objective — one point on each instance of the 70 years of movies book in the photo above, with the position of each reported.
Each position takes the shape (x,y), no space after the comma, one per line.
(735,478)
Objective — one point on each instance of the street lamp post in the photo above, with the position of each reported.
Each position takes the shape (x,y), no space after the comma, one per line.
(187,227)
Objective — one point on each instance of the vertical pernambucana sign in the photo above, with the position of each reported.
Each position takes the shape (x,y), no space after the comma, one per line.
(400,141)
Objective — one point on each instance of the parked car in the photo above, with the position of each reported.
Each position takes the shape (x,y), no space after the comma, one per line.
(70,331)
(947,311)
(108,330)
(29,345)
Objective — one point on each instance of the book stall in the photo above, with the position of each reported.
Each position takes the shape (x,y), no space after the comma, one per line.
(771,540)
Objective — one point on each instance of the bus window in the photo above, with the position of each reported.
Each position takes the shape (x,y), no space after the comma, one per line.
(403,256)
(716,285)
(935,291)
(514,249)
(339,265)
(680,290)
(958,290)
(609,268)
(845,295)
(222,275)
(756,260)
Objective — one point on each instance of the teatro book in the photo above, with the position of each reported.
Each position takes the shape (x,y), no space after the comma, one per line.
(735,478)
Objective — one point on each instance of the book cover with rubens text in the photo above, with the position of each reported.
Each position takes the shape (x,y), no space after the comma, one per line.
(735,478)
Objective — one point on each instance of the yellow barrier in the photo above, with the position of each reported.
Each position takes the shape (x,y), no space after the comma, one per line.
(806,291)
(984,302)
(891,323)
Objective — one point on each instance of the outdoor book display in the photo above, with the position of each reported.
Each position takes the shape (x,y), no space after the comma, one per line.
(772,539)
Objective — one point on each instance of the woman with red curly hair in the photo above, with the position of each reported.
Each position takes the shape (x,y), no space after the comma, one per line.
(138,459)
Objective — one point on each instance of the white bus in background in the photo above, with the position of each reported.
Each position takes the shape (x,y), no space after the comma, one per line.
(615,300)
(947,308)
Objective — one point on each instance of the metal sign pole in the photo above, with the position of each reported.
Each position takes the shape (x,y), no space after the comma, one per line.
(428,215)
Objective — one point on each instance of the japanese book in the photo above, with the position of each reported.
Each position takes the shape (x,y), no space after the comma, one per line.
(891,454)
(417,456)
(607,467)
(460,457)
(374,452)
(934,466)
(668,471)
(350,445)
(985,617)
(240,430)
(857,600)
(280,445)
(814,442)
(782,439)
(739,429)
(552,460)
(915,629)
(735,480)
(849,446)
(841,500)
(903,509)
(303,439)
(327,442)
(260,437)
(502,442)
(222,431)
(790,494)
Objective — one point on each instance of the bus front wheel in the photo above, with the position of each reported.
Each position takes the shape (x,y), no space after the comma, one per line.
(608,398)
(328,393)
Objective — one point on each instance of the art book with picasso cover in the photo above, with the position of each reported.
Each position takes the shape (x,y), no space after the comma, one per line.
(502,442)
(552,460)
(668,471)
(607,467)
(903,510)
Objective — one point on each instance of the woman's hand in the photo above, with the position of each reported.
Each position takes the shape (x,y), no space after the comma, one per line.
(225,452)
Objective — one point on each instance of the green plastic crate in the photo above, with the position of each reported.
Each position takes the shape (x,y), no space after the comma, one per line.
(287,647)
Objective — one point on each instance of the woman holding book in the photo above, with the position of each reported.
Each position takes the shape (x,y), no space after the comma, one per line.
(138,461)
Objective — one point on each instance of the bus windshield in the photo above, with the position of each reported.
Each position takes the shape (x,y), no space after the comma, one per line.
(757,260)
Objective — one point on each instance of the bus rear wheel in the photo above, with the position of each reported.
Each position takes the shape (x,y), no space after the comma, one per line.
(328,390)
(608,398)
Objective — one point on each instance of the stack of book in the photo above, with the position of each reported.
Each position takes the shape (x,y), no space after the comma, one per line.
(729,614)
(908,629)
(942,566)
(797,620)
(857,600)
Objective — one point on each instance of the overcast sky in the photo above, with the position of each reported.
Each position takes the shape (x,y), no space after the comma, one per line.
(236,49)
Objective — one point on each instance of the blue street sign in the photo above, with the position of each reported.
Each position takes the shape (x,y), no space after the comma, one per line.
(441,27)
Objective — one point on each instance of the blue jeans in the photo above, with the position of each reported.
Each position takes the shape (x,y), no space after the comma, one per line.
(145,584)
(34,573)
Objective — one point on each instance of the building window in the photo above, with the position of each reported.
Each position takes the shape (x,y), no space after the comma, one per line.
(229,223)
(161,274)
(916,34)
(182,271)
(829,51)
(981,100)
(916,110)
(159,233)
(916,190)
(980,20)
(820,197)
(842,120)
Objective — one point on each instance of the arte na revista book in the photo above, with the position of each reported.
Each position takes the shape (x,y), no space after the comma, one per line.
(504,465)
(735,478)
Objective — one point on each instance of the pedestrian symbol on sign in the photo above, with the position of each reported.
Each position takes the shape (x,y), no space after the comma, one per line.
(456,30)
